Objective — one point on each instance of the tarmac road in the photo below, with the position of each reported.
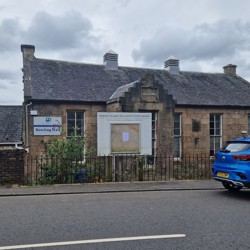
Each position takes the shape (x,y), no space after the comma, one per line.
(184,216)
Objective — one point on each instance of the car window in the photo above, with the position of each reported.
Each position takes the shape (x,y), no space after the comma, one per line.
(235,147)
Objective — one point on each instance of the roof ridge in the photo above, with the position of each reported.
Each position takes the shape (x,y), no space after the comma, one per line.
(122,66)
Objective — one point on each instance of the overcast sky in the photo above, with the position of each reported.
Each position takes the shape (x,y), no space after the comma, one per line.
(204,35)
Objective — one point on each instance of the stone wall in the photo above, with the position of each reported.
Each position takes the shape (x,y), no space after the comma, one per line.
(147,96)
(37,144)
(11,166)
(196,128)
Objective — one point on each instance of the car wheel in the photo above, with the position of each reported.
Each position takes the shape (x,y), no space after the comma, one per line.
(231,187)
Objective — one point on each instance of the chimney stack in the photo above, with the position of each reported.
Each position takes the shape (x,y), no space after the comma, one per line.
(172,65)
(28,56)
(230,69)
(110,60)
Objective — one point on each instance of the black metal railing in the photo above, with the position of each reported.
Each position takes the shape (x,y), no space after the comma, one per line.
(119,168)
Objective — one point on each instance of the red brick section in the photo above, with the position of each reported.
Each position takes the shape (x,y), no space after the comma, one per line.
(11,167)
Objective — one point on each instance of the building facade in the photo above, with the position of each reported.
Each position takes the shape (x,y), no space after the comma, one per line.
(192,113)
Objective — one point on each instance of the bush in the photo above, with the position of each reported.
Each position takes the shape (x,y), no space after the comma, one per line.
(65,160)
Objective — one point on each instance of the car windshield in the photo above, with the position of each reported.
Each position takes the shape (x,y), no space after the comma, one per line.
(235,147)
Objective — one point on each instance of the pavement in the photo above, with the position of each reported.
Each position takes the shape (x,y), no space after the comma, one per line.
(112,187)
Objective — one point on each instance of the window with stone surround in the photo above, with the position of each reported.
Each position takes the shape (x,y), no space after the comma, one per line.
(215,133)
(154,126)
(151,158)
(75,123)
(177,135)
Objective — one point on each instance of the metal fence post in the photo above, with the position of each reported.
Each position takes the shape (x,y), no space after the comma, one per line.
(113,168)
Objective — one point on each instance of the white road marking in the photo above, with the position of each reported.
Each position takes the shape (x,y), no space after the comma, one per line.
(78,242)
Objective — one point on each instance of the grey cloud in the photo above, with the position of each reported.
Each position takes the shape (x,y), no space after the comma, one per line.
(10,33)
(8,74)
(68,31)
(3,85)
(4,75)
(203,42)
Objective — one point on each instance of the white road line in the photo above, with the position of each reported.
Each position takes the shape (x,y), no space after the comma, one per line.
(78,242)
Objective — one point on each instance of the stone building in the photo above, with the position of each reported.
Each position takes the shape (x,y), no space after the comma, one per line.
(192,112)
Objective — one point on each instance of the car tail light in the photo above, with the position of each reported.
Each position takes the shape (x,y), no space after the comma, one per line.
(241,157)
(215,156)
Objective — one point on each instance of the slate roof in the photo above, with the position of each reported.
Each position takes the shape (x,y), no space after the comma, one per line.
(67,81)
(10,124)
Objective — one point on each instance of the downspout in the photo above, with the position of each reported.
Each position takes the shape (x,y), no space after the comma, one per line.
(21,148)
(27,126)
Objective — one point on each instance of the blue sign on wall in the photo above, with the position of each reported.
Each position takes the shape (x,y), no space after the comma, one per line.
(44,125)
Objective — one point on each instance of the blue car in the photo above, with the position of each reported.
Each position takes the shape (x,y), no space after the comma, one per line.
(232,164)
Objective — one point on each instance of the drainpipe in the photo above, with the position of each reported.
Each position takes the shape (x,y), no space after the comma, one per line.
(20,148)
(27,126)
